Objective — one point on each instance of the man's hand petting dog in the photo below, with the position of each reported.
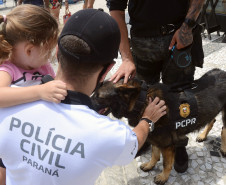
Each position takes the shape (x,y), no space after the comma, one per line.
(155,109)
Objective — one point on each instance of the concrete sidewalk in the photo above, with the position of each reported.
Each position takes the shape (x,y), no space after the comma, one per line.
(206,165)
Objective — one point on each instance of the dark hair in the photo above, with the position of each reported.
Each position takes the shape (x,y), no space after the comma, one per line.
(27,23)
(74,70)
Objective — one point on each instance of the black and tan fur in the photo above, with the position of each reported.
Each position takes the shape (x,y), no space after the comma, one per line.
(210,94)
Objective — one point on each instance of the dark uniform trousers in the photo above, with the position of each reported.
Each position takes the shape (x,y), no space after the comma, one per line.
(152,58)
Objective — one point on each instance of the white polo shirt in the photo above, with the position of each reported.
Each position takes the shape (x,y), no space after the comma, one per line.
(43,143)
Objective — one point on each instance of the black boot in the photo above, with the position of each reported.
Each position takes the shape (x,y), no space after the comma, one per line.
(181,159)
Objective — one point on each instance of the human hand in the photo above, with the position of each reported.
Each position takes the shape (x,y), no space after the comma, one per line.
(182,38)
(126,69)
(155,109)
(53,91)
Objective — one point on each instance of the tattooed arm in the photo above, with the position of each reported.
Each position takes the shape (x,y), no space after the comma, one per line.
(183,36)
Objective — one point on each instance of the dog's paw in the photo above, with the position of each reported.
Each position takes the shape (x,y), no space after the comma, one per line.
(200,139)
(160,179)
(223,153)
(146,167)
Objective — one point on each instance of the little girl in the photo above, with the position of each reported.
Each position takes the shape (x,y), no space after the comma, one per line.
(28,35)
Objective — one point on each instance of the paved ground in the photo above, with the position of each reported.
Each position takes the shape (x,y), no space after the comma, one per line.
(206,165)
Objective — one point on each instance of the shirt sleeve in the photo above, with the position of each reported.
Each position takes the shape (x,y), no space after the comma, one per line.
(130,149)
(10,69)
(117,4)
(117,141)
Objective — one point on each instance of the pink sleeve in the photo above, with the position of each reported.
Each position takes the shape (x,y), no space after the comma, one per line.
(9,68)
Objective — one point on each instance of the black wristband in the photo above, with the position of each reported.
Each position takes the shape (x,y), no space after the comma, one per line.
(190,22)
(151,123)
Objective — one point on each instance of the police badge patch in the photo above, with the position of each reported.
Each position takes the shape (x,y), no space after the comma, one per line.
(184,110)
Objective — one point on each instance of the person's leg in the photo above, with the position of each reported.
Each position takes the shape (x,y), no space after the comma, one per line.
(182,75)
(181,159)
(85,4)
(56,13)
(55,8)
(173,74)
(147,55)
(90,3)
(147,71)
(176,76)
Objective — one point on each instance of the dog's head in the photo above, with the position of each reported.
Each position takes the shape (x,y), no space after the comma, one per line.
(117,98)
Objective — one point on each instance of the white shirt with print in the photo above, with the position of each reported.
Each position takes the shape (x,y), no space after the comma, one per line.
(43,143)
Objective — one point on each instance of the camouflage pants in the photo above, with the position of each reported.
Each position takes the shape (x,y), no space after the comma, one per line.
(152,60)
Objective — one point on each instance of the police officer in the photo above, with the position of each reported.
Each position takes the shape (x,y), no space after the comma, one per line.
(157,26)
(70,143)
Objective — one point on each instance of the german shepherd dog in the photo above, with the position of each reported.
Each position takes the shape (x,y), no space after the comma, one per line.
(188,110)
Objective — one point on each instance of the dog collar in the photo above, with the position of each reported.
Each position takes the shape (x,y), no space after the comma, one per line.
(139,105)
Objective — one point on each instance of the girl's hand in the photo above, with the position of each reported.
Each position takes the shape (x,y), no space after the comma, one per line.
(53,91)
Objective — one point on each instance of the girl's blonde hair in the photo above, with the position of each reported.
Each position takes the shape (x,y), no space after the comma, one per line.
(27,23)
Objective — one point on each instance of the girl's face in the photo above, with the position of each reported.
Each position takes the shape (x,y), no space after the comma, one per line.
(39,57)
(27,56)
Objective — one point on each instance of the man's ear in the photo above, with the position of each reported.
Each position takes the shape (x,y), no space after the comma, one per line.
(106,72)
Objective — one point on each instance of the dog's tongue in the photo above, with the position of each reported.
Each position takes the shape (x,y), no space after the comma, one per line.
(102,111)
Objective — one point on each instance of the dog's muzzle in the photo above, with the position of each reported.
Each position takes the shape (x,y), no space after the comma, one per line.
(100,108)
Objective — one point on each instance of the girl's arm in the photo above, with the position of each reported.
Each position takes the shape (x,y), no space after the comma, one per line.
(53,91)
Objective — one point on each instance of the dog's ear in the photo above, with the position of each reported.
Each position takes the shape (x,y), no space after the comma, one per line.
(127,88)
(129,93)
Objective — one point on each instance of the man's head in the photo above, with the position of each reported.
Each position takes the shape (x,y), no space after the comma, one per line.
(88,42)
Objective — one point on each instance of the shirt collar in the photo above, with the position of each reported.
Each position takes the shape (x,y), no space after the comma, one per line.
(73,97)
(77,98)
